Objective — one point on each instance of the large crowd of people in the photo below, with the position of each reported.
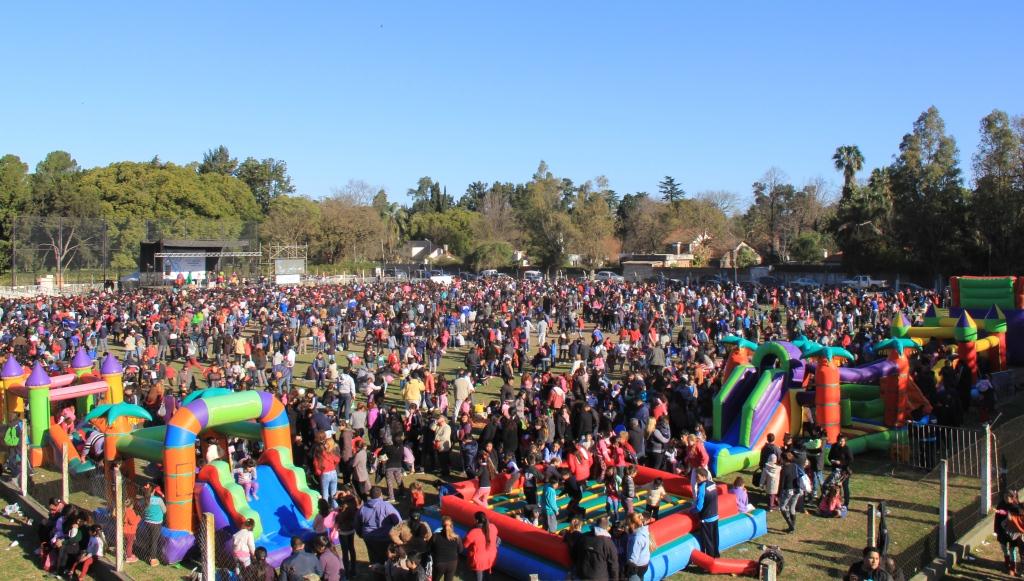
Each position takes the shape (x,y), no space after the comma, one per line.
(566,383)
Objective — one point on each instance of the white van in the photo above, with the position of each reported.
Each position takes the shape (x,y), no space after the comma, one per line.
(488,273)
(534,275)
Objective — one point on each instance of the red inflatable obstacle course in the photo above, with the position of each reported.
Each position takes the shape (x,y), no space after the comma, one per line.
(722,566)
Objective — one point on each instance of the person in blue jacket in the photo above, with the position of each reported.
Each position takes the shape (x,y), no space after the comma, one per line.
(550,504)
(706,506)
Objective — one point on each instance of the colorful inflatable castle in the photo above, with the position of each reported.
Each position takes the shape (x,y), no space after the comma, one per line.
(285,506)
(530,550)
(51,433)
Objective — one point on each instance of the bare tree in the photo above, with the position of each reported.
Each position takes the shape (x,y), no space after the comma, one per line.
(725,201)
(64,243)
(358,192)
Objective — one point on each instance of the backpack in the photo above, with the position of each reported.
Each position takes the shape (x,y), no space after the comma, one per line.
(11,437)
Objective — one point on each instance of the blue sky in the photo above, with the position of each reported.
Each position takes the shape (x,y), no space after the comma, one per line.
(712,93)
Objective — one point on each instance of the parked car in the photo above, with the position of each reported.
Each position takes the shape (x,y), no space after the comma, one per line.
(769,281)
(715,279)
(490,273)
(805,282)
(607,275)
(533,275)
(913,287)
(863,281)
(395,273)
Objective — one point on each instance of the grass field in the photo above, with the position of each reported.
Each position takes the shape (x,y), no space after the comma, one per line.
(821,548)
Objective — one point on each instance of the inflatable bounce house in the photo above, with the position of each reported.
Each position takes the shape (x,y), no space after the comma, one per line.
(774,387)
(529,549)
(285,506)
(47,394)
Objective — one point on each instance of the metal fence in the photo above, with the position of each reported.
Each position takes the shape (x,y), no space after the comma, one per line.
(963,448)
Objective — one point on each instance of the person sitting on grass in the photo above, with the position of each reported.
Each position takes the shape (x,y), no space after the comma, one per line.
(831,505)
(739,490)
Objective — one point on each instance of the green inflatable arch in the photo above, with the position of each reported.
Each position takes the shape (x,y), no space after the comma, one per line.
(772,349)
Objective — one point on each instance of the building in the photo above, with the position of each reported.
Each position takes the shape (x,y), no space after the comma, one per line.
(420,251)
(694,248)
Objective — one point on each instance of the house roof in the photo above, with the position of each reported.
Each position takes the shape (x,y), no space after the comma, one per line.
(684,235)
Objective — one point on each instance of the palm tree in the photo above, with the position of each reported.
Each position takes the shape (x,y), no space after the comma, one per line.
(849,160)
(396,220)
(114,424)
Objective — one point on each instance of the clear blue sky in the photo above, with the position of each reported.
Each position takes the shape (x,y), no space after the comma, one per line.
(712,93)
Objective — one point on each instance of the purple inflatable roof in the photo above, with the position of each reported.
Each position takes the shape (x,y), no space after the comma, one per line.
(81,360)
(11,368)
(110,365)
(38,378)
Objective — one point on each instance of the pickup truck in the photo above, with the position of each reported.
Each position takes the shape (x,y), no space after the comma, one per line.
(863,281)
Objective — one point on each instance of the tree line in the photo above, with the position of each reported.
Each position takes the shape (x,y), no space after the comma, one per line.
(916,214)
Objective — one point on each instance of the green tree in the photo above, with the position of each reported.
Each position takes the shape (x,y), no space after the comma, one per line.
(746,257)
(218,160)
(15,193)
(55,186)
(595,224)
(807,248)
(929,200)
(292,220)
(475,193)
(548,228)
(492,254)
(670,191)
(268,179)
(849,160)
(863,225)
(453,228)
(998,200)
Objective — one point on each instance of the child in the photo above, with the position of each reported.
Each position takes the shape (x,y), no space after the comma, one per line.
(246,476)
(244,544)
(739,490)
(770,475)
(418,499)
(93,551)
(628,489)
(550,498)
(612,484)
(831,505)
(131,528)
(657,492)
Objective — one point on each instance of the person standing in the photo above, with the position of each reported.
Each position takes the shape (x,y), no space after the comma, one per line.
(550,505)
(153,520)
(244,544)
(444,550)
(638,548)
(706,506)
(840,457)
(481,546)
(299,564)
(443,445)
(463,392)
(374,522)
(325,466)
(595,555)
(789,485)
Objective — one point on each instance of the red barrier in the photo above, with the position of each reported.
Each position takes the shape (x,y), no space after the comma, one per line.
(526,537)
(723,566)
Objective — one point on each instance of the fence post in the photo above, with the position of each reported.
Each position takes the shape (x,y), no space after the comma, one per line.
(872,525)
(119,547)
(986,474)
(767,571)
(65,484)
(24,458)
(943,507)
(209,562)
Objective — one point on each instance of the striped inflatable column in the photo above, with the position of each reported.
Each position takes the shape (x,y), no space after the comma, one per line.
(826,398)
